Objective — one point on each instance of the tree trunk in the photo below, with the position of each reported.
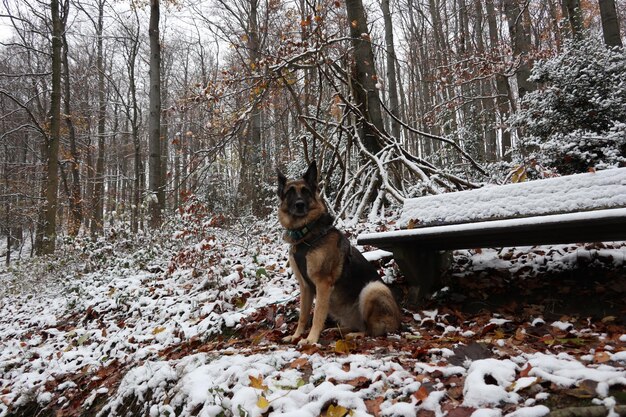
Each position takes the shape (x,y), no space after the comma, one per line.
(574,14)
(154,121)
(48,242)
(76,204)
(610,24)
(251,166)
(502,86)
(364,77)
(556,28)
(488,114)
(165,141)
(520,38)
(392,88)
(98,190)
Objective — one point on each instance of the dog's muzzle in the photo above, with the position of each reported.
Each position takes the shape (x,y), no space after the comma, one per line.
(299,208)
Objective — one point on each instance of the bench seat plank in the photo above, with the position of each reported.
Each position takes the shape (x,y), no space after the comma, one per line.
(572,193)
(592,226)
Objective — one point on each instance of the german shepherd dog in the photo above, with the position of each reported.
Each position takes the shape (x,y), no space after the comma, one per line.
(346,286)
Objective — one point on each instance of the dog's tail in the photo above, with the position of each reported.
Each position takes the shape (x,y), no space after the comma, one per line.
(379,309)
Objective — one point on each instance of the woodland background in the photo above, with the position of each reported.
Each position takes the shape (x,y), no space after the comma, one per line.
(115,113)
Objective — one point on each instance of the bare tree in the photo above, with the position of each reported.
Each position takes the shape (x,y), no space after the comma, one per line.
(519,31)
(157,197)
(98,191)
(610,23)
(48,243)
(364,78)
(392,76)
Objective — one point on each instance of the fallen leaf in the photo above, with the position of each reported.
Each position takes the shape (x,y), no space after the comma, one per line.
(299,363)
(158,330)
(262,402)
(336,411)
(524,372)
(421,394)
(373,405)
(461,412)
(344,346)
(257,382)
(601,357)
(359,382)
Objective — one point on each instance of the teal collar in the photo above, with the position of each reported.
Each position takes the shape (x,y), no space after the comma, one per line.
(299,234)
(325,224)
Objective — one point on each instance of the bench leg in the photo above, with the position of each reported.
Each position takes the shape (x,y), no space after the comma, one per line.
(422,269)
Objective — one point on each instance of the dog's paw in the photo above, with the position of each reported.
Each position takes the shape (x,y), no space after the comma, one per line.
(307,341)
(355,335)
(289,339)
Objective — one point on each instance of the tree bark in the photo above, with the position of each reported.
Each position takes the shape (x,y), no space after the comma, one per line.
(574,15)
(520,37)
(98,190)
(251,166)
(610,23)
(364,77)
(154,120)
(48,242)
(502,85)
(392,88)
(76,204)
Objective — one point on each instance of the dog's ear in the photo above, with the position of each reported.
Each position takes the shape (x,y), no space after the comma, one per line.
(282,181)
(310,176)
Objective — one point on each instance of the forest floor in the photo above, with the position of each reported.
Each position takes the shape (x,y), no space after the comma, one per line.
(190,323)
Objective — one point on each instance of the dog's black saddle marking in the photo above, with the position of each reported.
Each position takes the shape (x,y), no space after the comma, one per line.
(357,271)
(319,228)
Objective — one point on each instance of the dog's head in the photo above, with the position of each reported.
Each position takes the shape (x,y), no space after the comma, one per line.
(300,202)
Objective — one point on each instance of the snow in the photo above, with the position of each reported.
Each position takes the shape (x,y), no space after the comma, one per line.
(453,229)
(122,321)
(535,411)
(478,393)
(564,326)
(376,255)
(580,192)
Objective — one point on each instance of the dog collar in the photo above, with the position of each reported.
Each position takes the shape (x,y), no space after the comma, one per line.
(298,234)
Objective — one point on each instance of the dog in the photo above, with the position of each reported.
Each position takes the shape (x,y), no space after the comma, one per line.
(345,285)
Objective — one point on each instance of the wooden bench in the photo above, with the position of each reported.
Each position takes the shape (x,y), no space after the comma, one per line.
(588,207)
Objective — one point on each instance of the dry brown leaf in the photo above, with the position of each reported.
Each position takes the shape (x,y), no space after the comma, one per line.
(257,382)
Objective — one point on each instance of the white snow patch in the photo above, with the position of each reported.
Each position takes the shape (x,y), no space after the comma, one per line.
(477,393)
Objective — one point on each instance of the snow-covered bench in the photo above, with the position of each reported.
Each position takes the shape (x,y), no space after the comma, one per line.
(588,207)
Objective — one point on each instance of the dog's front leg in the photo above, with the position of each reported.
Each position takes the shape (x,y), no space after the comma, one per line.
(322,302)
(306,301)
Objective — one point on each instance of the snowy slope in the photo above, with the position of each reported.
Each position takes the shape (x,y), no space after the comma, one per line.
(196,330)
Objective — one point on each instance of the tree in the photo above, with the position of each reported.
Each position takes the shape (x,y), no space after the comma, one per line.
(577,120)
(73,192)
(48,242)
(392,76)
(519,31)
(575,17)
(98,190)
(157,192)
(364,78)
(610,23)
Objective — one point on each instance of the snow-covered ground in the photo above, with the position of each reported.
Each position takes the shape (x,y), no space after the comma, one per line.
(191,327)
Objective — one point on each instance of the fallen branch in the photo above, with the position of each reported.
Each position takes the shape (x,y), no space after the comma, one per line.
(593,411)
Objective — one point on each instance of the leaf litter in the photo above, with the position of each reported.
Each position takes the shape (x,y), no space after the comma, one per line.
(193,327)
